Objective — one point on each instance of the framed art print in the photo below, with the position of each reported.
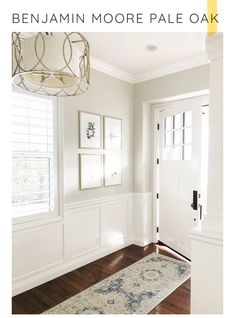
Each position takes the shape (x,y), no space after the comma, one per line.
(90,171)
(112,170)
(112,133)
(89,130)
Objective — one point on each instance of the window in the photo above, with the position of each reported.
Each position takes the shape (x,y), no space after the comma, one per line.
(177,136)
(33,155)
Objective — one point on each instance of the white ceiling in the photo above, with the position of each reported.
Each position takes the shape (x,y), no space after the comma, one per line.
(124,55)
(127,52)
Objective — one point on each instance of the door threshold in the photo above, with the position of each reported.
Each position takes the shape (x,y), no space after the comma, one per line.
(163,244)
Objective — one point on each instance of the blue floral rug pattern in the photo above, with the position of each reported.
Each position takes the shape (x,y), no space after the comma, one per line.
(137,289)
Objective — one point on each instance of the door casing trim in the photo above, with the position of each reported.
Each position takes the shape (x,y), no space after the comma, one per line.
(156,105)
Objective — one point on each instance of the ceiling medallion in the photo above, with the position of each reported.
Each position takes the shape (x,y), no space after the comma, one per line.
(51,63)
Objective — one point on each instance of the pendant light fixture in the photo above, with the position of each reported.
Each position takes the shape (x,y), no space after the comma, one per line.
(51,63)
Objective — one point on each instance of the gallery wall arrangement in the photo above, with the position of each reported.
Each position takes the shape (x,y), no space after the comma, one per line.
(99,169)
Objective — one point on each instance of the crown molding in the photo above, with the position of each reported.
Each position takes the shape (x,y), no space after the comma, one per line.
(184,65)
(113,71)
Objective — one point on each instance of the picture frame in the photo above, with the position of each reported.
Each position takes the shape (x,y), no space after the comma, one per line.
(89,130)
(112,170)
(90,172)
(112,133)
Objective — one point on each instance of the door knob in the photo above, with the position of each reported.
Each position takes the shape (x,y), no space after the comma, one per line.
(194,205)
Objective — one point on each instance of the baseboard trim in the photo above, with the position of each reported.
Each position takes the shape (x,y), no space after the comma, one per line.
(142,242)
(41,278)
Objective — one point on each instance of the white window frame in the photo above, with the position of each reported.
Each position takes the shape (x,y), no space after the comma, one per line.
(57,214)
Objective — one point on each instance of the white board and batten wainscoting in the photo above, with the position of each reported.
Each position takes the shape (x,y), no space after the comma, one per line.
(87,231)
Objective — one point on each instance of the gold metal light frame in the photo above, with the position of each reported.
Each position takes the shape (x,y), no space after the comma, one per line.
(31,72)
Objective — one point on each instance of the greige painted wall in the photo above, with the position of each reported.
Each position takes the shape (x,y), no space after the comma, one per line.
(113,97)
(168,86)
(106,96)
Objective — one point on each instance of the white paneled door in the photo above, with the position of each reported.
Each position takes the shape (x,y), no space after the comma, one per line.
(179,172)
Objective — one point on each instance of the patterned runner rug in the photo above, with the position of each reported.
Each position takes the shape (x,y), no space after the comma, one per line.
(137,289)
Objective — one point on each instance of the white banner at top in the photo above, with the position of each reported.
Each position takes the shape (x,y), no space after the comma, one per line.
(118,16)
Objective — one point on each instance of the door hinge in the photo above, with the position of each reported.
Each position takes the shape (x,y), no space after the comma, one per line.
(157,229)
(158,126)
(157,195)
(157,161)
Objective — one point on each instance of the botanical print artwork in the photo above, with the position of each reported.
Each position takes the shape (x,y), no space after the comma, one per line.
(89,130)
(136,289)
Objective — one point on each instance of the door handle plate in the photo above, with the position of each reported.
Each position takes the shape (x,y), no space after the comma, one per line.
(194,205)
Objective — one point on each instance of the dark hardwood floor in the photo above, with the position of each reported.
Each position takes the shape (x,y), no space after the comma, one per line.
(43,297)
